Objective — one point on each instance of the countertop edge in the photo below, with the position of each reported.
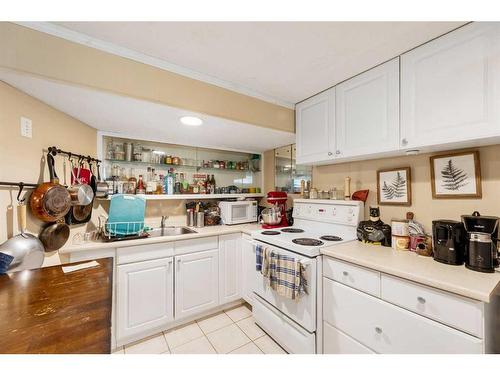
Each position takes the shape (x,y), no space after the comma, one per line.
(432,283)
(201,233)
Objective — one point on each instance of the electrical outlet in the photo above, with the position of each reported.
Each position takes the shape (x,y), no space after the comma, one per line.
(26,127)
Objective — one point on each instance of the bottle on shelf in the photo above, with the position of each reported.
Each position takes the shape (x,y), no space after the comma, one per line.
(169,182)
(207,185)
(177,184)
(185,184)
(212,185)
(140,186)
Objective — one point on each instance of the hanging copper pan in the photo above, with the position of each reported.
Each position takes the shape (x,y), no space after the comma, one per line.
(50,201)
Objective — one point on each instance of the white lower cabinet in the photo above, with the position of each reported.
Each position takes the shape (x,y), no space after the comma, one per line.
(229,268)
(337,342)
(144,297)
(196,282)
(247,268)
(385,328)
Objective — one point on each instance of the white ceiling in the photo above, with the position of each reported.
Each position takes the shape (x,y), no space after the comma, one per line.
(283,62)
(145,120)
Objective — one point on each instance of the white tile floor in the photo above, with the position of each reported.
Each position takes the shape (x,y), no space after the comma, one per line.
(231,331)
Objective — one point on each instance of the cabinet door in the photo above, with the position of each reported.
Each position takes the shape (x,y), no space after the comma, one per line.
(315,128)
(144,297)
(248,268)
(229,268)
(388,329)
(367,112)
(196,282)
(450,88)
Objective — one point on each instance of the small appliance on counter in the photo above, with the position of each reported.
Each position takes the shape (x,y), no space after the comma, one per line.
(275,216)
(238,212)
(481,250)
(374,231)
(448,241)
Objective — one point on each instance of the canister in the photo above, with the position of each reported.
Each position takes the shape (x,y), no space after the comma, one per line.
(200,219)
(190,218)
(401,242)
(400,227)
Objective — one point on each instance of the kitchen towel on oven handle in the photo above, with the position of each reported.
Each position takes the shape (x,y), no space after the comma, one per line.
(284,273)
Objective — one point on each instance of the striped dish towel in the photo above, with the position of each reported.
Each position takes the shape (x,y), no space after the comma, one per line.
(259,249)
(284,274)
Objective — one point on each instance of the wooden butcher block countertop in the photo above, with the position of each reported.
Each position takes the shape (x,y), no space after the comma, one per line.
(48,311)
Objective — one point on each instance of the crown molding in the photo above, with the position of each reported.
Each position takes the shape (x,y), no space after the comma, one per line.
(80,38)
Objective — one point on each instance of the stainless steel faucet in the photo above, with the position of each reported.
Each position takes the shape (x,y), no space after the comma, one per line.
(163,219)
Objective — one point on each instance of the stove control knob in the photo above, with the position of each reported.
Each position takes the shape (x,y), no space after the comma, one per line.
(350,211)
(349,218)
(334,212)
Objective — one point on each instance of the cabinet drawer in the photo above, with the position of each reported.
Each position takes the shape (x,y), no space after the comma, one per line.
(195,245)
(337,342)
(356,277)
(462,313)
(144,252)
(386,328)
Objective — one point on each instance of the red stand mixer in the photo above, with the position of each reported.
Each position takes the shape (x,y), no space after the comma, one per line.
(275,216)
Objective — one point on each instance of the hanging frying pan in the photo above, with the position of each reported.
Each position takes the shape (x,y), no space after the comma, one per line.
(50,201)
(81,214)
(55,235)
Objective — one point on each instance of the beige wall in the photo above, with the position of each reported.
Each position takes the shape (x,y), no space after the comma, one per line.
(21,158)
(426,209)
(38,53)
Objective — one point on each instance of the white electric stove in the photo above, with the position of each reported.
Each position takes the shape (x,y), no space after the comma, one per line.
(317,224)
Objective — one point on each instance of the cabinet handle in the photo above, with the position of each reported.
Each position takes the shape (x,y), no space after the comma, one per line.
(378,330)
(421,299)
(404,141)
(178,264)
(337,152)
(169,264)
(330,154)
(345,273)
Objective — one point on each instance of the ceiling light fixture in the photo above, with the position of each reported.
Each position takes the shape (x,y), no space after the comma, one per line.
(191,120)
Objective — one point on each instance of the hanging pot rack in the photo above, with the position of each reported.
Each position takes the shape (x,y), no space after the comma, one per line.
(53,151)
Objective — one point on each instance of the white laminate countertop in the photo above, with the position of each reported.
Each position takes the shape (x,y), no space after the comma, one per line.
(420,269)
(208,231)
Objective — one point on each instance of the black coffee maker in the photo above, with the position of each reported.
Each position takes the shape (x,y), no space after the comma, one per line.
(449,241)
(481,250)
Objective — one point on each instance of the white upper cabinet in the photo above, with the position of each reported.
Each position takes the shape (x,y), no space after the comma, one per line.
(367,112)
(229,268)
(315,128)
(450,88)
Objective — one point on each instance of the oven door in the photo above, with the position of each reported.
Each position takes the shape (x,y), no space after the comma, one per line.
(301,311)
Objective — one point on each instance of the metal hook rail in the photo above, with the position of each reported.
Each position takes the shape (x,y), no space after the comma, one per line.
(20,185)
(54,151)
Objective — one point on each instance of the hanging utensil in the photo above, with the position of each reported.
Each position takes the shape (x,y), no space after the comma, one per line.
(102,187)
(50,201)
(26,249)
(81,194)
(55,235)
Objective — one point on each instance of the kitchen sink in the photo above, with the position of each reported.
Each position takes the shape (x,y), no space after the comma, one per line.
(170,231)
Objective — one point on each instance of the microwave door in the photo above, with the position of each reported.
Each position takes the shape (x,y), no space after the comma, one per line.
(239,213)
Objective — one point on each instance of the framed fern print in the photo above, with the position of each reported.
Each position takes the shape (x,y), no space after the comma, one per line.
(394,186)
(456,175)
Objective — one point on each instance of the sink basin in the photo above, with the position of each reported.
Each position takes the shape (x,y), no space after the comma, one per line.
(170,231)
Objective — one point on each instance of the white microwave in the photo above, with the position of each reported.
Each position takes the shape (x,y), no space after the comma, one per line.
(238,212)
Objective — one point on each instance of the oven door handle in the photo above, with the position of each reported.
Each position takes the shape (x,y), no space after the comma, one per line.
(305,264)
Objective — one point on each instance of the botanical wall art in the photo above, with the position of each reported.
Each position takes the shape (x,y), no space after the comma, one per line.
(456,175)
(394,186)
